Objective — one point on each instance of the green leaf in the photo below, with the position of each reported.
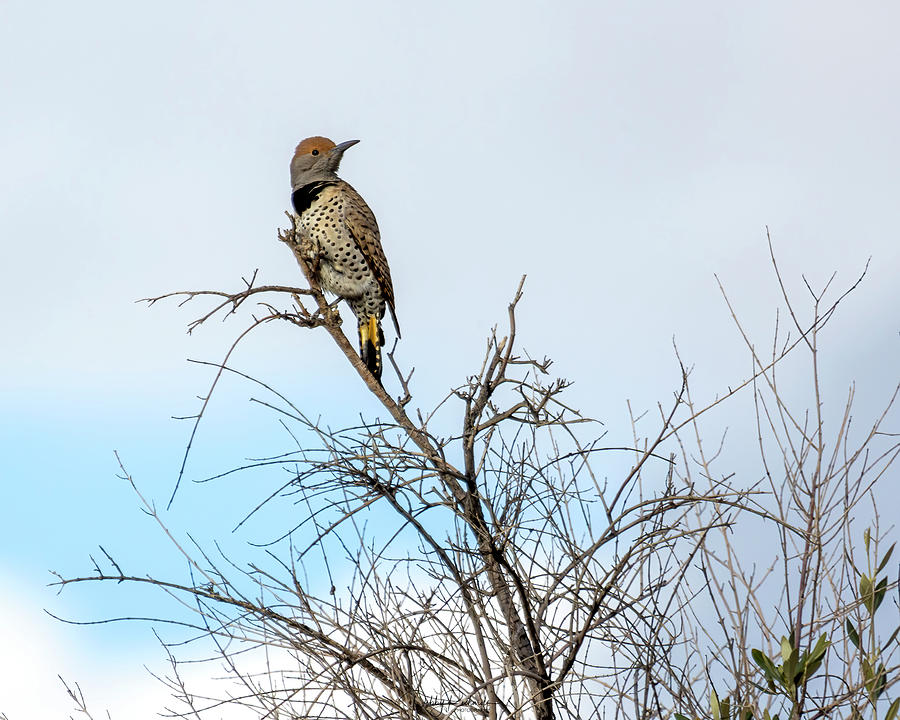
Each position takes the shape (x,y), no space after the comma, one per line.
(679,716)
(865,586)
(822,644)
(884,561)
(893,636)
(714,705)
(867,672)
(852,634)
(816,657)
(865,592)
(790,672)
(880,590)
(787,647)
(893,709)
(760,659)
(811,669)
(768,668)
(725,708)
(880,681)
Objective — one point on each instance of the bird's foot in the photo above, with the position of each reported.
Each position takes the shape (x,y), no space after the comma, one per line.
(333,314)
(311,254)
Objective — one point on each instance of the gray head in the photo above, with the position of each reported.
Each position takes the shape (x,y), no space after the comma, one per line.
(316,159)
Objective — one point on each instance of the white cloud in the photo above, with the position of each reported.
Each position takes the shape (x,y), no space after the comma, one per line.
(37,650)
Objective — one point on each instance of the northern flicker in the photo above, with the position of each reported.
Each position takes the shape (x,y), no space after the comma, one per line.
(348,259)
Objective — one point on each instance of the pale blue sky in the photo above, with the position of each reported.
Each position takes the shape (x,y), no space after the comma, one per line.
(619,154)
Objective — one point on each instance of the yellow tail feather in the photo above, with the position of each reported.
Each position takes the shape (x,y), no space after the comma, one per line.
(371,338)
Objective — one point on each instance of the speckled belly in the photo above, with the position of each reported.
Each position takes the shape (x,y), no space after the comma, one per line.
(343,270)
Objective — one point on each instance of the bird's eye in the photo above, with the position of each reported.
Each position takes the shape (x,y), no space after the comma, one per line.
(315,152)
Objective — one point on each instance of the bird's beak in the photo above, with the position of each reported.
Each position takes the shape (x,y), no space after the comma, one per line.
(339,149)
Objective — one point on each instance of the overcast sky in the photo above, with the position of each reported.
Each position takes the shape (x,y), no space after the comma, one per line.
(620,155)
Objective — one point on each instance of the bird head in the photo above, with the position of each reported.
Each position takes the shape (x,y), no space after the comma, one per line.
(317,159)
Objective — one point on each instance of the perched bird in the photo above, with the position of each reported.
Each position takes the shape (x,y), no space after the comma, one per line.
(349,261)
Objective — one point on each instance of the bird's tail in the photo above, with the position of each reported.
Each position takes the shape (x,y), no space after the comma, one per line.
(371,338)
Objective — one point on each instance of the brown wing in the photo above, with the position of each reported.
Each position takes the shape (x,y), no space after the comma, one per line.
(362,225)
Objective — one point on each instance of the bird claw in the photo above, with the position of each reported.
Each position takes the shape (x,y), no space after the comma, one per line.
(334,315)
(310,253)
